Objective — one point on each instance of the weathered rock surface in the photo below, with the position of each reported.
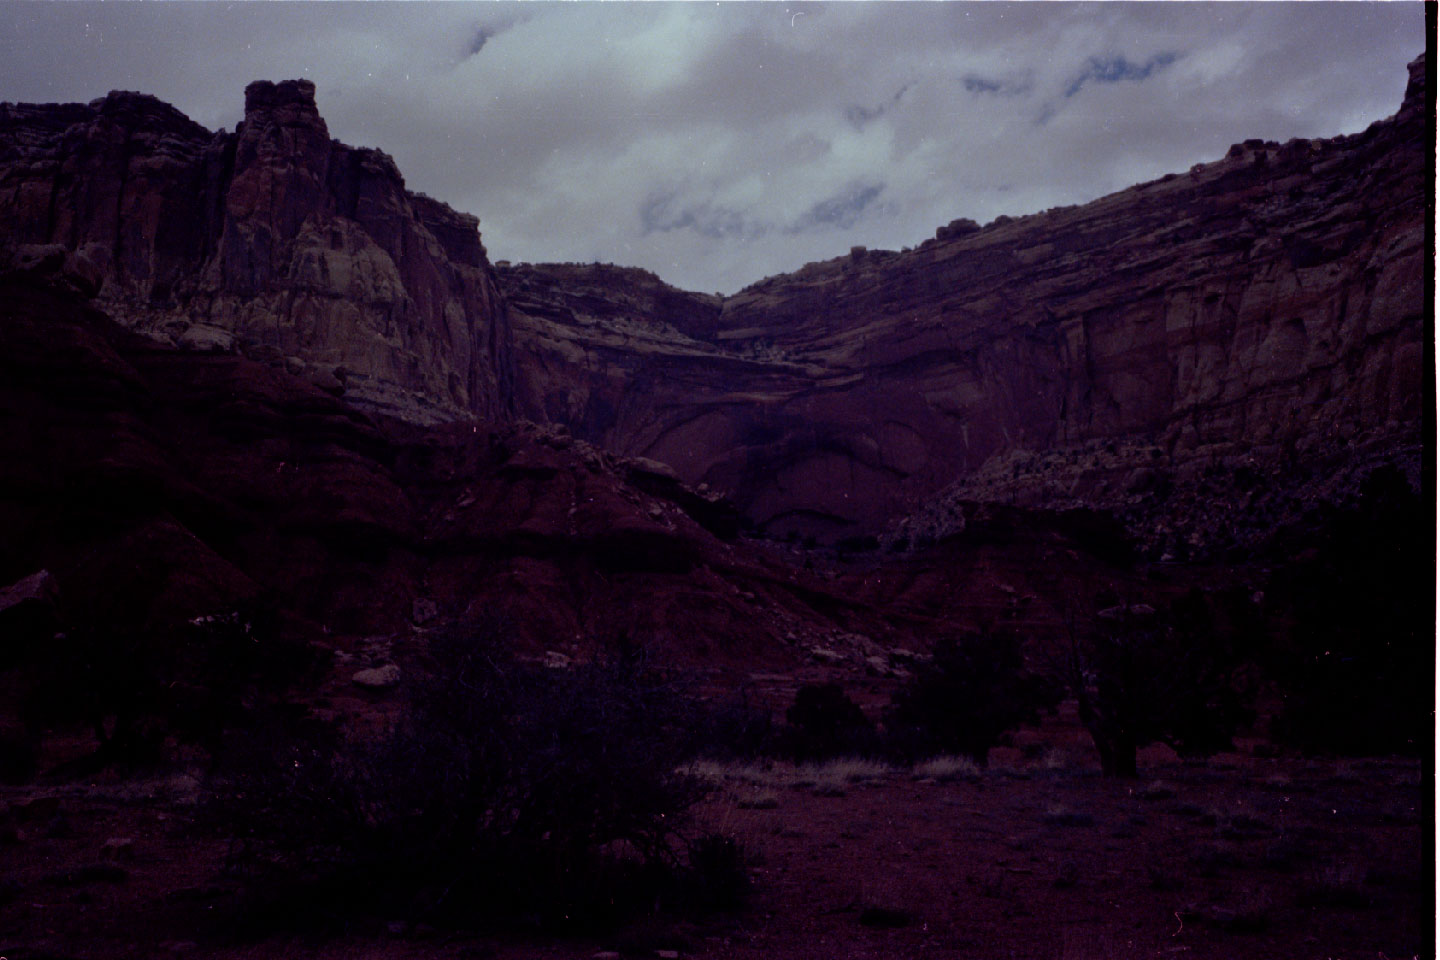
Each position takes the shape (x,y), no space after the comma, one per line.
(1254,313)
(158,485)
(274,240)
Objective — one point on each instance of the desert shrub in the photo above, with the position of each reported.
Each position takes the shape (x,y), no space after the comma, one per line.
(715,874)
(734,729)
(1142,676)
(1358,674)
(225,662)
(975,689)
(824,722)
(137,685)
(110,677)
(508,790)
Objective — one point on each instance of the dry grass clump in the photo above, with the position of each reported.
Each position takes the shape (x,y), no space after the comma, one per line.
(716,772)
(830,778)
(1159,790)
(947,769)
(1060,816)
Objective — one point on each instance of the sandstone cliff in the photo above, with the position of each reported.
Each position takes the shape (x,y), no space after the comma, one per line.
(273,240)
(1252,314)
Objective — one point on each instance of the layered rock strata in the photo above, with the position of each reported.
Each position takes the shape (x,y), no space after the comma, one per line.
(1248,314)
(273,240)
(1257,317)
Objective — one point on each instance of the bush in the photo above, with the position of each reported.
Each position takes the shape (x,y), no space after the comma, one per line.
(716,872)
(134,686)
(825,723)
(974,690)
(734,729)
(507,791)
(1145,676)
(1358,675)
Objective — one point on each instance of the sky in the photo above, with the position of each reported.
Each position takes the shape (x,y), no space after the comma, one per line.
(719,143)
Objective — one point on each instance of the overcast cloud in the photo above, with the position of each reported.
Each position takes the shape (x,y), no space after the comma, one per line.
(718,143)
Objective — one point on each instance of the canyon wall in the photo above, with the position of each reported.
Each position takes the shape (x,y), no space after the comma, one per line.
(1250,316)
(1253,311)
(274,241)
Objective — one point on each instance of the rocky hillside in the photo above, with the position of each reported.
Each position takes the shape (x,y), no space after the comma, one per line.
(273,240)
(145,486)
(1261,314)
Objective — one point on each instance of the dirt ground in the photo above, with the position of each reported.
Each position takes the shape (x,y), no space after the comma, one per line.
(1035,857)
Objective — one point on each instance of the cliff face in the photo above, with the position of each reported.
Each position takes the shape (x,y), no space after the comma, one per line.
(1257,317)
(273,240)
(1255,311)
(598,343)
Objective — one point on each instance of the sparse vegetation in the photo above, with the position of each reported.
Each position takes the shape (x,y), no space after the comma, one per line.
(1358,672)
(1143,676)
(946,769)
(825,723)
(975,689)
(508,790)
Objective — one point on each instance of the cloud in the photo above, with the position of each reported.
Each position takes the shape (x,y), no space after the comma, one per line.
(1118,69)
(859,116)
(843,210)
(659,214)
(1001,86)
(717,144)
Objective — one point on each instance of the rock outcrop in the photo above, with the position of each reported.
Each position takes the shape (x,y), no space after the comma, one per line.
(1248,315)
(273,240)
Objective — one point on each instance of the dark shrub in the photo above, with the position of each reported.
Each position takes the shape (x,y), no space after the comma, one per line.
(137,685)
(1358,673)
(109,677)
(509,791)
(825,723)
(715,873)
(974,690)
(734,729)
(1144,676)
